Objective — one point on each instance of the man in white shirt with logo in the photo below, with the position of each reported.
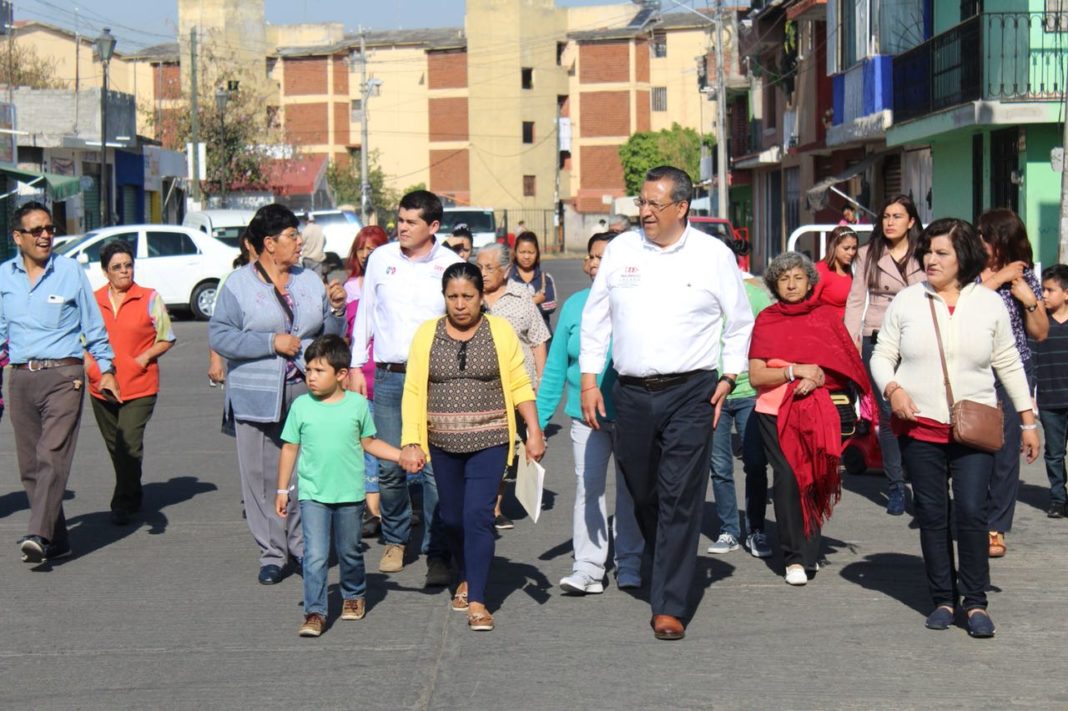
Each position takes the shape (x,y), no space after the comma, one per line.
(666,298)
(401,290)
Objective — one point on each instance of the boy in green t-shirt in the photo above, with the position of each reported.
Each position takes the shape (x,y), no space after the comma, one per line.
(330,429)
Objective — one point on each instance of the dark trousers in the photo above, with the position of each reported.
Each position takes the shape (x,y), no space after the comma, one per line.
(661,445)
(755,465)
(123,428)
(1055,432)
(797,549)
(892,465)
(46,412)
(933,469)
(467,492)
(1005,478)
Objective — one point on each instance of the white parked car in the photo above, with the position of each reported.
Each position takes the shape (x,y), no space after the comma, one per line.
(183,264)
(226,226)
(480,221)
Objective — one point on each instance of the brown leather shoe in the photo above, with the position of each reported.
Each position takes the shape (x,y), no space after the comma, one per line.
(667,627)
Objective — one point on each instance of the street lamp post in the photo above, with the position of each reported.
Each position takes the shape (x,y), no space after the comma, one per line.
(222,96)
(105,48)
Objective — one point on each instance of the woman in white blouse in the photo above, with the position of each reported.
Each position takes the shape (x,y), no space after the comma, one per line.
(907,368)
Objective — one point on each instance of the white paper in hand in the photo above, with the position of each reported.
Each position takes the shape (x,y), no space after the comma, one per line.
(529,483)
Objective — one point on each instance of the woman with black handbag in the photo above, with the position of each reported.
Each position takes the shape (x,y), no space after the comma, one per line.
(941,342)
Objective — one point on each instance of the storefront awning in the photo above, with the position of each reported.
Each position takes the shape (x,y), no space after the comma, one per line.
(60,187)
(817,194)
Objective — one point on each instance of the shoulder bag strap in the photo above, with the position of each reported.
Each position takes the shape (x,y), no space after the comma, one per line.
(941,354)
(277,292)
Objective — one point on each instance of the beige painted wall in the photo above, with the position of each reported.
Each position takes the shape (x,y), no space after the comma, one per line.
(678,72)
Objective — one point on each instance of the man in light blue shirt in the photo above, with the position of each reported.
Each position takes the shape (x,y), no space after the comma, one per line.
(48,319)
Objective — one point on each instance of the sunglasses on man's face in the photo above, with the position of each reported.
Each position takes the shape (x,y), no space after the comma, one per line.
(38,231)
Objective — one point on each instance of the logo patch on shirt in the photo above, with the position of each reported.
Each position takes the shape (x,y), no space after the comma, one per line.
(629,277)
(391,270)
(55,299)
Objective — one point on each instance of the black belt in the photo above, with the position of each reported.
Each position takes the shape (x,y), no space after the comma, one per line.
(35,364)
(654,383)
(393,367)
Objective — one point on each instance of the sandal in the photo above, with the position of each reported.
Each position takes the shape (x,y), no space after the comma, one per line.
(480,622)
(997,545)
(459,600)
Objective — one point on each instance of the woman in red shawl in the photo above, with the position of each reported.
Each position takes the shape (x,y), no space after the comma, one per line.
(800,354)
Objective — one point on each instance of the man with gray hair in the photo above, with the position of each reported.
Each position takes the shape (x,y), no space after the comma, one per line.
(671,303)
(619,224)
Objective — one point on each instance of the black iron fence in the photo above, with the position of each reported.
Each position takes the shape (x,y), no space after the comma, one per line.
(998,56)
(540,222)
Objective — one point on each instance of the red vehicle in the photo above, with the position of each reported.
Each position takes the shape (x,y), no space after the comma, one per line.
(722,228)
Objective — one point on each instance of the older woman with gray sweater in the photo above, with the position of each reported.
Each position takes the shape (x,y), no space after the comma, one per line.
(976,338)
(267,313)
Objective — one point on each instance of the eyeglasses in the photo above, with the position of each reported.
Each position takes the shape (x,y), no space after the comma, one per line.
(461,356)
(40,230)
(642,202)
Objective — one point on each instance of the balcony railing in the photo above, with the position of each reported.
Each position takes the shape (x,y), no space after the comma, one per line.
(997,56)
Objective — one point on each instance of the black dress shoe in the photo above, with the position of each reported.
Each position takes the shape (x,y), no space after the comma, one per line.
(270,575)
(55,551)
(120,518)
(1056,511)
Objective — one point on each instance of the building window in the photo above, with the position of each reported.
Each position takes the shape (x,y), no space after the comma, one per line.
(274,117)
(528,132)
(272,62)
(527,80)
(659,98)
(530,184)
(560,48)
(356,111)
(658,47)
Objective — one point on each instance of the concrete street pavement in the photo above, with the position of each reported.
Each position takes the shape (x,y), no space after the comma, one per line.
(168,614)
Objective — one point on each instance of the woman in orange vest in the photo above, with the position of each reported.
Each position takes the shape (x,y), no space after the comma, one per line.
(139,330)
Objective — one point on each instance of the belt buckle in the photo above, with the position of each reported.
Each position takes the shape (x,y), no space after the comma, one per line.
(29,365)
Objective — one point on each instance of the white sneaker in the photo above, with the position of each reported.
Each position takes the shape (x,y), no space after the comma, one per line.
(757,543)
(795,575)
(581,584)
(724,544)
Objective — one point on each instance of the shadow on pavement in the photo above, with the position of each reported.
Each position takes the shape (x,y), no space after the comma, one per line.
(15,501)
(872,486)
(93,531)
(895,575)
(1034,496)
(508,576)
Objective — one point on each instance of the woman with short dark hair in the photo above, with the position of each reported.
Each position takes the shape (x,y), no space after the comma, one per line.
(139,330)
(466,380)
(1010,271)
(949,322)
(799,355)
(267,314)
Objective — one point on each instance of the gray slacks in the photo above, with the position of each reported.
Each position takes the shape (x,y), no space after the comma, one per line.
(46,412)
(259,445)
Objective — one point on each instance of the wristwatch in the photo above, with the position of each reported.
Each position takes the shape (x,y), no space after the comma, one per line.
(1032,308)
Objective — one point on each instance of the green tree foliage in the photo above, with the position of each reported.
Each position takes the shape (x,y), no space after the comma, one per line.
(677,146)
(343,177)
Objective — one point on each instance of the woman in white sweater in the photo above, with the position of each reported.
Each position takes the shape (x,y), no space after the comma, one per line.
(907,369)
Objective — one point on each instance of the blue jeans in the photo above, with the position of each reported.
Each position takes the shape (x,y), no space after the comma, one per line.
(735,412)
(370,465)
(469,484)
(888,443)
(1055,431)
(933,469)
(317,522)
(395,504)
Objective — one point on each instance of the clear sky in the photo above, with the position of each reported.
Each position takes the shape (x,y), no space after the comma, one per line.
(145,22)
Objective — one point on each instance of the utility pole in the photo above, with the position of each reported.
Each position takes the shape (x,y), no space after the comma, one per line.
(558,222)
(365,93)
(722,171)
(1063,251)
(195,116)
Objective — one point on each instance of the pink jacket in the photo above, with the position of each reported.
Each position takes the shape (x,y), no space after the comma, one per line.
(865,309)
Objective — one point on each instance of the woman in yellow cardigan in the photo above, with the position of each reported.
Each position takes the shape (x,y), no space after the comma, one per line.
(465,381)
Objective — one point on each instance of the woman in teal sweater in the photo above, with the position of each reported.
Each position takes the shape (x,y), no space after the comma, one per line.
(592,449)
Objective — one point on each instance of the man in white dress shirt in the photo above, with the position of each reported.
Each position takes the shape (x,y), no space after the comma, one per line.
(671,302)
(401,290)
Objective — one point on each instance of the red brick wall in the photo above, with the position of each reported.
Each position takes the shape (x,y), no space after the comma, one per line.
(167,131)
(601,62)
(450,173)
(446,70)
(168,81)
(448,119)
(601,167)
(307,123)
(304,75)
(641,60)
(341,76)
(642,109)
(341,123)
(604,113)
